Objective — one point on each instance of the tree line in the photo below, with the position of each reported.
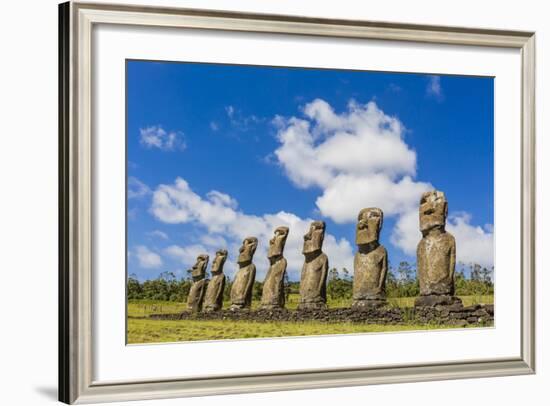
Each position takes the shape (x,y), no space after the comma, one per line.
(401,282)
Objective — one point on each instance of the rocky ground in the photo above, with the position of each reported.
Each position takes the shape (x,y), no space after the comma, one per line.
(456,314)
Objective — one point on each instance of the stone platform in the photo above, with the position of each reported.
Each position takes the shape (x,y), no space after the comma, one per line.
(476,315)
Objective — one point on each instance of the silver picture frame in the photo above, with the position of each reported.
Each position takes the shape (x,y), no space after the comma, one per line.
(76,21)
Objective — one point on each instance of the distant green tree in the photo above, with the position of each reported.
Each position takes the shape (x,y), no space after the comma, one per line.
(286,286)
(134,289)
(167,276)
(400,282)
(294,287)
(480,282)
(475,273)
(461,284)
(183,289)
(257,290)
(405,272)
(227,289)
(339,287)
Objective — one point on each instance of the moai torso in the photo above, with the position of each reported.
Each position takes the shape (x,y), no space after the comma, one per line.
(370,265)
(213,300)
(313,281)
(436,263)
(436,252)
(198,288)
(196,295)
(273,295)
(369,276)
(241,290)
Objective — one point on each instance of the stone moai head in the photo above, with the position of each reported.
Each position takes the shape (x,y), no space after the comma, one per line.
(247,250)
(369,224)
(433,211)
(313,240)
(277,243)
(219,260)
(198,271)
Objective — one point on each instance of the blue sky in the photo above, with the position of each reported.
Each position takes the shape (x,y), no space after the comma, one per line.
(217,152)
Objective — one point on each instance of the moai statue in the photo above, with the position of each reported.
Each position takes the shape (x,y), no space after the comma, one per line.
(273,295)
(371,261)
(436,253)
(313,282)
(241,290)
(196,293)
(213,299)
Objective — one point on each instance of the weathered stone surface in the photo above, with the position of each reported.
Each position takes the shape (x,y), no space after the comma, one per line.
(196,295)
(490,309)
(273,294)
(198,288)
(436,251)
(438,300)
(241,290)
(367,304)
(371,261)
(213,299)
(313,281)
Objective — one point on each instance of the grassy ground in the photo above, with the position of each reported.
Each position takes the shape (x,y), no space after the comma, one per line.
(157,331)
(144,308)
(144,330)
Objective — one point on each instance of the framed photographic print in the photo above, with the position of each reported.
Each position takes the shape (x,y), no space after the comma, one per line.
(264,202)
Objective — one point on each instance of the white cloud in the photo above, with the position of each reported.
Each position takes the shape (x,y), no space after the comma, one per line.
(359,158)
(147,258)
(406,233)
(137,189)
(158,137)
(221,199)
(214,126)
(213,241)
(326,145)
(230,110)
(226,226)
(158,234)
(187,255)
(240,121)
(473,243)
(345,196)
(434,88)
(179,204)
(394,88)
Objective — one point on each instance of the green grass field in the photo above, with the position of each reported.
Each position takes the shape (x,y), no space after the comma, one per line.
(144,330)
(157,331)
